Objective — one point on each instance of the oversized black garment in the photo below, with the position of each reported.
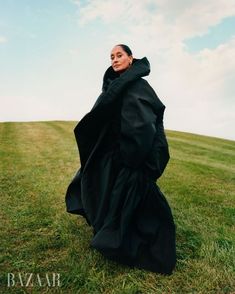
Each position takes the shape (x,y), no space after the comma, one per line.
(123,151)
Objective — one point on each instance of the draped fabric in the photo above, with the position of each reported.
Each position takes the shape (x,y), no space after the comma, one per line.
(123,151)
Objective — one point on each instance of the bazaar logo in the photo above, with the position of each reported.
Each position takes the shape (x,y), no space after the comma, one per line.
(33,279)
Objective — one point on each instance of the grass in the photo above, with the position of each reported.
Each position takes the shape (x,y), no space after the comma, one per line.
(38,160)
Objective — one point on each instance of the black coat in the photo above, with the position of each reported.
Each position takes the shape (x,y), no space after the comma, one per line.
(123,151)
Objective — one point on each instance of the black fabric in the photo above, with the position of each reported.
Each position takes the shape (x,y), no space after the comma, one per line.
(123,151)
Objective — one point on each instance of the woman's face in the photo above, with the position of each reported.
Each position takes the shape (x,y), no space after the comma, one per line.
(120,60)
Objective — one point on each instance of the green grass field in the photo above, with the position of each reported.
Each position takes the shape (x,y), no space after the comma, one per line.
(39,159)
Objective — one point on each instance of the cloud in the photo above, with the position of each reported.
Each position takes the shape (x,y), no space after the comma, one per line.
(191,18)
(161,24)
(197,88)
(75,52)
(111,11)
(183,18)
(3,39)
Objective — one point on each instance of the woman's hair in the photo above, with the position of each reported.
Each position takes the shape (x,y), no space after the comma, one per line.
(126,49)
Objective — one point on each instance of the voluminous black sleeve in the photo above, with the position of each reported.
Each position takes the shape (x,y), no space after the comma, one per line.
(138,127)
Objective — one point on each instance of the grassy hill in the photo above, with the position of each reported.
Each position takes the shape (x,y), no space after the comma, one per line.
(38,160)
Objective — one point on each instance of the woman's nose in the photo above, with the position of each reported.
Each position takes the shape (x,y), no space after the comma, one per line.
(114,59)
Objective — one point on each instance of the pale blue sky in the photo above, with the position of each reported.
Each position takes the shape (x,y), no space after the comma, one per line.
(53,54)
(215,36)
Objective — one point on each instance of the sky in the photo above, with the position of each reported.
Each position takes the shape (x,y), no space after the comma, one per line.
(53,54)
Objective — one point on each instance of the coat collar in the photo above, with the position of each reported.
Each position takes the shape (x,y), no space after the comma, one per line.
(139,68)
(114,84)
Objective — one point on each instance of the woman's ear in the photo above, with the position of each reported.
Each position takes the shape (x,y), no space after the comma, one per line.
(131,60)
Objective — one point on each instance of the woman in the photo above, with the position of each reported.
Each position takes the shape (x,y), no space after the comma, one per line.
(123,151)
